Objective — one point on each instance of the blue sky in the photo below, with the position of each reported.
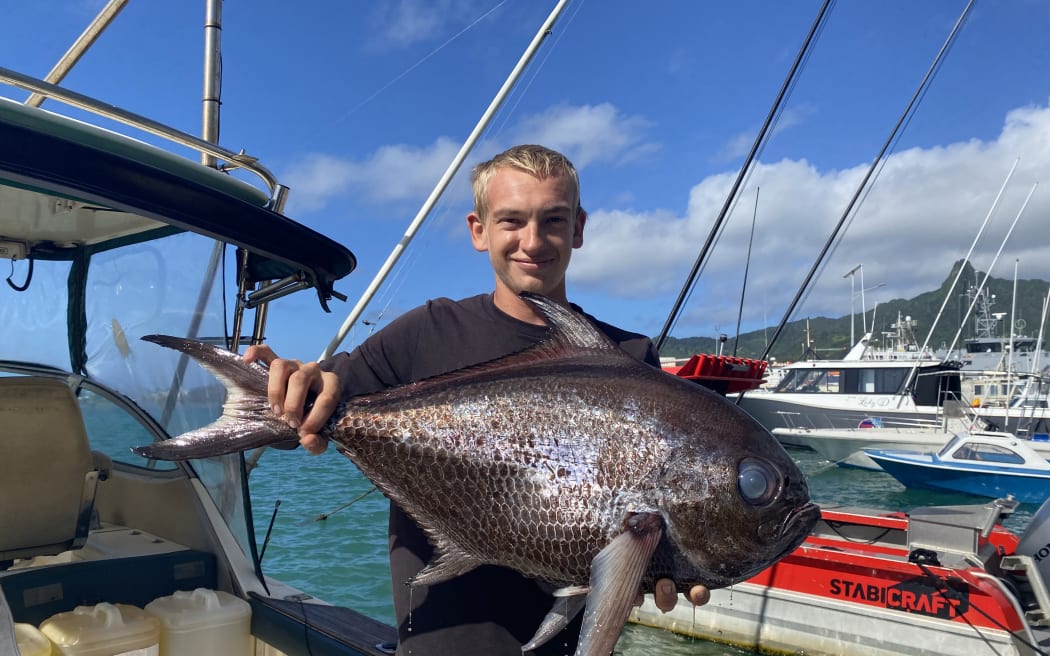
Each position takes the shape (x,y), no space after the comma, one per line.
(359,107)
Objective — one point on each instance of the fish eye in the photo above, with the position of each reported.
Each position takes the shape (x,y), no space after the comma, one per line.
(758,481)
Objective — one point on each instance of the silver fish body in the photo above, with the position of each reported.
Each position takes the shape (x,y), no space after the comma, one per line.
(570,462)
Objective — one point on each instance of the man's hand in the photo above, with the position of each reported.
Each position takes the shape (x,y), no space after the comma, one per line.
(291,384)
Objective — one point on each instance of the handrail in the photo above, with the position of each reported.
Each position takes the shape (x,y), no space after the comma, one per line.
(130,119)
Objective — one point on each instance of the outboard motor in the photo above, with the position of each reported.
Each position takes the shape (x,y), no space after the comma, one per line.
(1035,541)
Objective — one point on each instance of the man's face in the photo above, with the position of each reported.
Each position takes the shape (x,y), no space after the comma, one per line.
(529,233)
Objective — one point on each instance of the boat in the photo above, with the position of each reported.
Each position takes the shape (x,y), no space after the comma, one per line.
(844,393)
(987,351)
(982,464)
(847,447)
(938,580)
(110,238)
(995,380)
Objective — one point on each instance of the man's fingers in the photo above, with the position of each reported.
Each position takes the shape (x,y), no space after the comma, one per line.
(699,595)
(259,353)
(665,595)
(313,443)
(328,391)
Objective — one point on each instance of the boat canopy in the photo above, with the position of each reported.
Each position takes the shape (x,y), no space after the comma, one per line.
(68,189)
(71,191)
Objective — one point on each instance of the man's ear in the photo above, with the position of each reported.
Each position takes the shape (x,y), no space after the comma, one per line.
(478,235)
(577,228)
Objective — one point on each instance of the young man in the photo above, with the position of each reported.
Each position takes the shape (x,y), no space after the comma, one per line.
(527,217)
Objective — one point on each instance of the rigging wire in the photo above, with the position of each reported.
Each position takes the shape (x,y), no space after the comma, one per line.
(760,139)
(875,166)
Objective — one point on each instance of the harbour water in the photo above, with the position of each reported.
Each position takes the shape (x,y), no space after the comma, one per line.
(335,549)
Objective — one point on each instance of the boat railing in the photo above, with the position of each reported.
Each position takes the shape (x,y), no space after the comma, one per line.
(231,160)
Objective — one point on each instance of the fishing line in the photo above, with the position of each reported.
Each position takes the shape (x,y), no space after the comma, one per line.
(323,516)
(747,267)
(523,91)
(835,526)
(416,65)
(880,164)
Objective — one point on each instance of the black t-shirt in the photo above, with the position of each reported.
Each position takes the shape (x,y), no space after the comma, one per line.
(490,611)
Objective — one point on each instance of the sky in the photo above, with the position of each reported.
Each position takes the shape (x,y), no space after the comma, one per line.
(360,107)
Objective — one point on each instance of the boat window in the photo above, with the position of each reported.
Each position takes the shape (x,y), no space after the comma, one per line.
(984,347)
(992,453)
(946,449)
(822,381)
(873,380)
(112,430)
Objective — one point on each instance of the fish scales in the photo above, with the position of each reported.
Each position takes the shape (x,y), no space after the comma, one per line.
(548,478)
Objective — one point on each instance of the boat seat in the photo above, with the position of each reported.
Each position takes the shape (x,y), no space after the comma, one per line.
(48,473)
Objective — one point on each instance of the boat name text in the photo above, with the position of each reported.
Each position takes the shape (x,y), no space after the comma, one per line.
(917,595)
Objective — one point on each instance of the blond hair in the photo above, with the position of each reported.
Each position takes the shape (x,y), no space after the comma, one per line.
(538,161)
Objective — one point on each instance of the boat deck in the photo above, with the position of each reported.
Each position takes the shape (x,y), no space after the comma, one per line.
(129,566)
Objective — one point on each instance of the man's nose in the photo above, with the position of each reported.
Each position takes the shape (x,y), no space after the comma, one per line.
(531,236)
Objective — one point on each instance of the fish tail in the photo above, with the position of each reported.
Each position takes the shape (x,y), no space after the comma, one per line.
(246,421)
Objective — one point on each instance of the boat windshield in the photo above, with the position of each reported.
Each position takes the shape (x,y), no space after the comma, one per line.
(989,453)
(128,292)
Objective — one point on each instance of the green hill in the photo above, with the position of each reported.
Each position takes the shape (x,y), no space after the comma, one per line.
(829,337)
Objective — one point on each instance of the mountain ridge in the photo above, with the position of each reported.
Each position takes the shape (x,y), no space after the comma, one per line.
(829,337)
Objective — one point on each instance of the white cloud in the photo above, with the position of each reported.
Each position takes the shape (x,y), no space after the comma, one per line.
(587,134)
(402,23)
(921,216)
(394,173)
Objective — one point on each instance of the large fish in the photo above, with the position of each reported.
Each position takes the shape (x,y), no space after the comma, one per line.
(570,462)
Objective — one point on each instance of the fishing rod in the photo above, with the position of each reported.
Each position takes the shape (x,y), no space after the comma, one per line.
(904,117)
(789,81)
(446,179)
(747,267)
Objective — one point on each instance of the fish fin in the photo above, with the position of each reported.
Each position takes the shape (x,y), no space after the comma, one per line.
(450,563)
(571,591)
(246,420)
(566,607)
(571,335)
(616,577)
(569,329)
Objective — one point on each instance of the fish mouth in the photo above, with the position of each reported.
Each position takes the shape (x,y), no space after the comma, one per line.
(800,522)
